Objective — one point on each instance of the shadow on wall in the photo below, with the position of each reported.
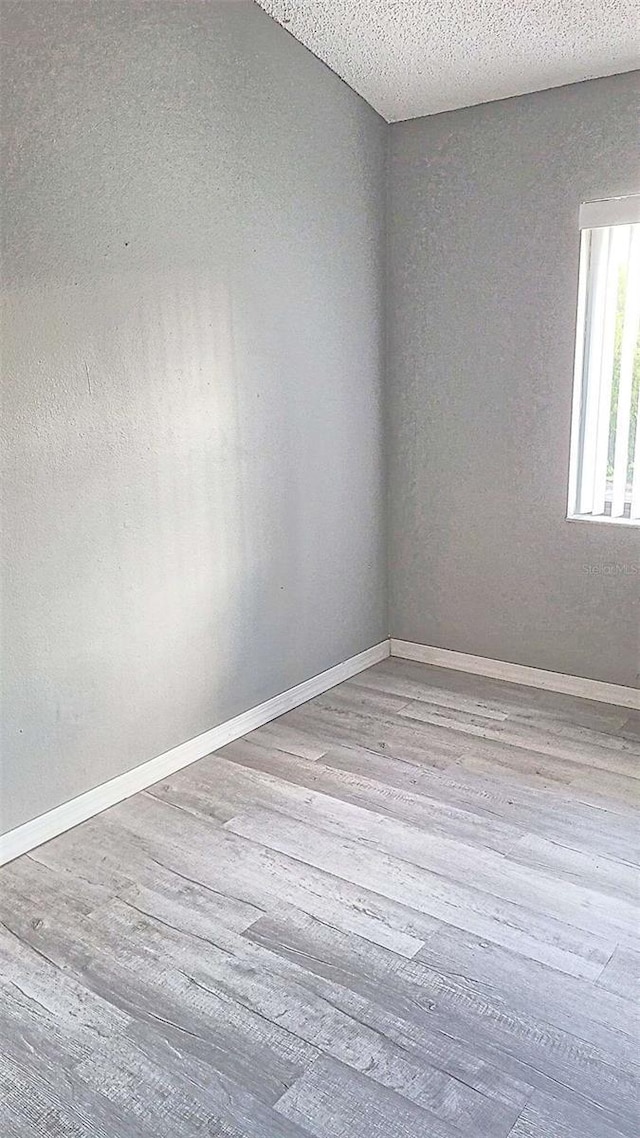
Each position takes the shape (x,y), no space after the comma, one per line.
(133,594)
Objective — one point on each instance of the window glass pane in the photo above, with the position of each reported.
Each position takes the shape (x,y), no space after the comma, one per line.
(605,479)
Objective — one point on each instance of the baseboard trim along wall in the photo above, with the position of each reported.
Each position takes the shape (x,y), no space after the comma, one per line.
(518,673)
(69,814)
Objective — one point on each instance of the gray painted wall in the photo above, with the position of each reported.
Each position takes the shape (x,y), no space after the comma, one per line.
(483,264)
(193,399)
(193,483)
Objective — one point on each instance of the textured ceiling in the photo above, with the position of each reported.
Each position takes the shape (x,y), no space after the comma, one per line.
(418,57)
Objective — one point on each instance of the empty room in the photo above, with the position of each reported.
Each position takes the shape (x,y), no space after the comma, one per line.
(320,606)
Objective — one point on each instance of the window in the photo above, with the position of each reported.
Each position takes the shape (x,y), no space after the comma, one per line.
(604,483)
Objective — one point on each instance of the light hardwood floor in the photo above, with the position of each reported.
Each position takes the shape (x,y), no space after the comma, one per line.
(408,908)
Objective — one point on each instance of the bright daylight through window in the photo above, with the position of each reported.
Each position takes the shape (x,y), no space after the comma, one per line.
(604,480)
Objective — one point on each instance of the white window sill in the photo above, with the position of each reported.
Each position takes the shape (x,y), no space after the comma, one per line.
(603,519)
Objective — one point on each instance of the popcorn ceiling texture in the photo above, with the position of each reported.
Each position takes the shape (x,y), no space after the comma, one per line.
(418,57)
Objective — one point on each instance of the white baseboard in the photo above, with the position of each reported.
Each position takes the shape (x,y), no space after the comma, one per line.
(518,673)
(69,814)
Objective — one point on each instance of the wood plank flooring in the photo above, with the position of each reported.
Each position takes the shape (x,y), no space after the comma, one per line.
(407,909)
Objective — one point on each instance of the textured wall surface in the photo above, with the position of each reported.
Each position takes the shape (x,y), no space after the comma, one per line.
(192,391)
(481,320)
(419,57)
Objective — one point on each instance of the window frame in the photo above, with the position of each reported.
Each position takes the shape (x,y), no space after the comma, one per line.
(593,216)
